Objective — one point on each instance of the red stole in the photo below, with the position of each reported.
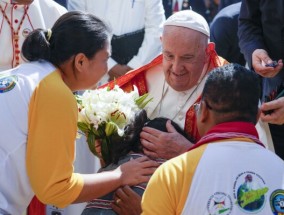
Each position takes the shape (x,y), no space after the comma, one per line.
(229,130)
(137,77)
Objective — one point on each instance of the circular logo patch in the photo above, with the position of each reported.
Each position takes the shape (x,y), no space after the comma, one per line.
(220,203)
(277,202)
(249,192)
(7,83)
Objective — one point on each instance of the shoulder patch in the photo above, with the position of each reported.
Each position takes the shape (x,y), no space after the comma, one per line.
(277,202)
(7,83)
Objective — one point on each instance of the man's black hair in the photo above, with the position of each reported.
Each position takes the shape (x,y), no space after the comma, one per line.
(234,92)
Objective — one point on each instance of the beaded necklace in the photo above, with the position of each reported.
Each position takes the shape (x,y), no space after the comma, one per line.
(15,33)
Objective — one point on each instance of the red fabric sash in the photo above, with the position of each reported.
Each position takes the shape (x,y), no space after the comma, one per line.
(134,77)
(229,130)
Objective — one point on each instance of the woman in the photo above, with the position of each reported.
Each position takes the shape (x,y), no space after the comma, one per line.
(39,118)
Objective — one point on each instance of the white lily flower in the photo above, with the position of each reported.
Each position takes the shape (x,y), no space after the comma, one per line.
(107,112)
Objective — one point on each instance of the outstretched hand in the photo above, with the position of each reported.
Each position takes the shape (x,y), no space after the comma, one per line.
(166,145)
(259,59)
(137,171)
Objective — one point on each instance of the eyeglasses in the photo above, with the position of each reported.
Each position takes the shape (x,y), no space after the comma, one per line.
(196,106)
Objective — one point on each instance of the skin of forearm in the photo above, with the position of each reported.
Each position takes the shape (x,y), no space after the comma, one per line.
(97,185)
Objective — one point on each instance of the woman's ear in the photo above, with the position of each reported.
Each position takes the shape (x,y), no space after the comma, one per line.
(80,62)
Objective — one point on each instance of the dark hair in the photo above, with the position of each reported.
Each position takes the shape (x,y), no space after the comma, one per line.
(74,32)
(234,92)
(121,146)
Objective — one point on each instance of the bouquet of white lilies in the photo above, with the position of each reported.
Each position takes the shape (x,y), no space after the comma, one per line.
(104,113)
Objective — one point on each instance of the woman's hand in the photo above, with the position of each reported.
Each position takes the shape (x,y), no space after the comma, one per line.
(136,171)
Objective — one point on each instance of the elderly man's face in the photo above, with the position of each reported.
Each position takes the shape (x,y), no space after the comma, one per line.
(184,56)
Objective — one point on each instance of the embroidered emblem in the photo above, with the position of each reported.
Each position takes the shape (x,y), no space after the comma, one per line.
(7,83)
(277,202)
(220,203)
(26,32)
(249,192)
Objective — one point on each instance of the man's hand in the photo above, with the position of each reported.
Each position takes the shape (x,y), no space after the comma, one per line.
(127,202)
(166,145)
(259,59)
(117,71)
(277,116)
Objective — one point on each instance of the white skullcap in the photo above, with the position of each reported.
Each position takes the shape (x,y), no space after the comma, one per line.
(189,19)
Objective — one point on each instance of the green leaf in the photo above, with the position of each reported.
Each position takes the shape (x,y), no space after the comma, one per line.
(105,147)
(100,132)
(83,127)
(96,132)
(91,143)
(78,99)
(141,101)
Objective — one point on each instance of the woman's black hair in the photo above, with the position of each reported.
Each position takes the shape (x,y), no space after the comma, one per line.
(121,146)
(74,32)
